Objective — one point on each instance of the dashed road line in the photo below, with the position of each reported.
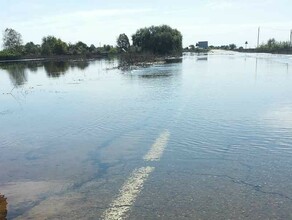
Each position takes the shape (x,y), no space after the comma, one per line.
(120,207)
(128,193)
(158,147)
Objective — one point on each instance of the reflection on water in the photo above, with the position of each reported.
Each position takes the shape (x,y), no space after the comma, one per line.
(3,207)
(155,76)
(82,65)
(202,57)
(56,69)
(18,70)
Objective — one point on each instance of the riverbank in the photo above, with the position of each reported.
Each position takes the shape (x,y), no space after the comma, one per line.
(53,57)
(196,50)
(271,51)
(133,59)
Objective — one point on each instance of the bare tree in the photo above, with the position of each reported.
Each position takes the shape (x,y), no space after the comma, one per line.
(12,40)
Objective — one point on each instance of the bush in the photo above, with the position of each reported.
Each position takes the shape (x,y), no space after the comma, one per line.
(9,55)
(273,46)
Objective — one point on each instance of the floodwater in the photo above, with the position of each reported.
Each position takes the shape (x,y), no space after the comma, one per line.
(208,138)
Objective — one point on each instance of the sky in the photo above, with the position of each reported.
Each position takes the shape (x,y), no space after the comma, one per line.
(100,22)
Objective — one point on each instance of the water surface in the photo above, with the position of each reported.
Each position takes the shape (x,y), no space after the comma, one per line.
(72,132)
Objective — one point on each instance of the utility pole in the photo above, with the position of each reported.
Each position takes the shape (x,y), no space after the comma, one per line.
(258,37)
(291,38)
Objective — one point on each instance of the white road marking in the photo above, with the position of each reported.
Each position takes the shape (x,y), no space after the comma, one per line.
(120,207)
(128,193)
(158,147)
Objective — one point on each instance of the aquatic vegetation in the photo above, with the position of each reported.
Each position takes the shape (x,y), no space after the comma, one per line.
(3,207)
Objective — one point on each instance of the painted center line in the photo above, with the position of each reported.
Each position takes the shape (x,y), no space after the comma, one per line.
(121,206)
(128,194)
(158,147)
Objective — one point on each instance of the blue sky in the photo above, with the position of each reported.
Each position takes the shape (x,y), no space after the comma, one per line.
(101,21)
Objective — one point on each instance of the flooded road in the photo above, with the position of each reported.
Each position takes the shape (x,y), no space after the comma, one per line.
(208,138)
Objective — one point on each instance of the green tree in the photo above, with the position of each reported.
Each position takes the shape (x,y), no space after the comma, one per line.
(232,46)
(79,48)
(12,40)
(53,46)
(32,49)
(271,43)
(92,48)
(123,42)
(107,48)
(158,40)
(192,47)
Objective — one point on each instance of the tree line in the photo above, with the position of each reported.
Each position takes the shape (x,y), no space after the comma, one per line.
(50,46)
(158,40)
(273,46)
